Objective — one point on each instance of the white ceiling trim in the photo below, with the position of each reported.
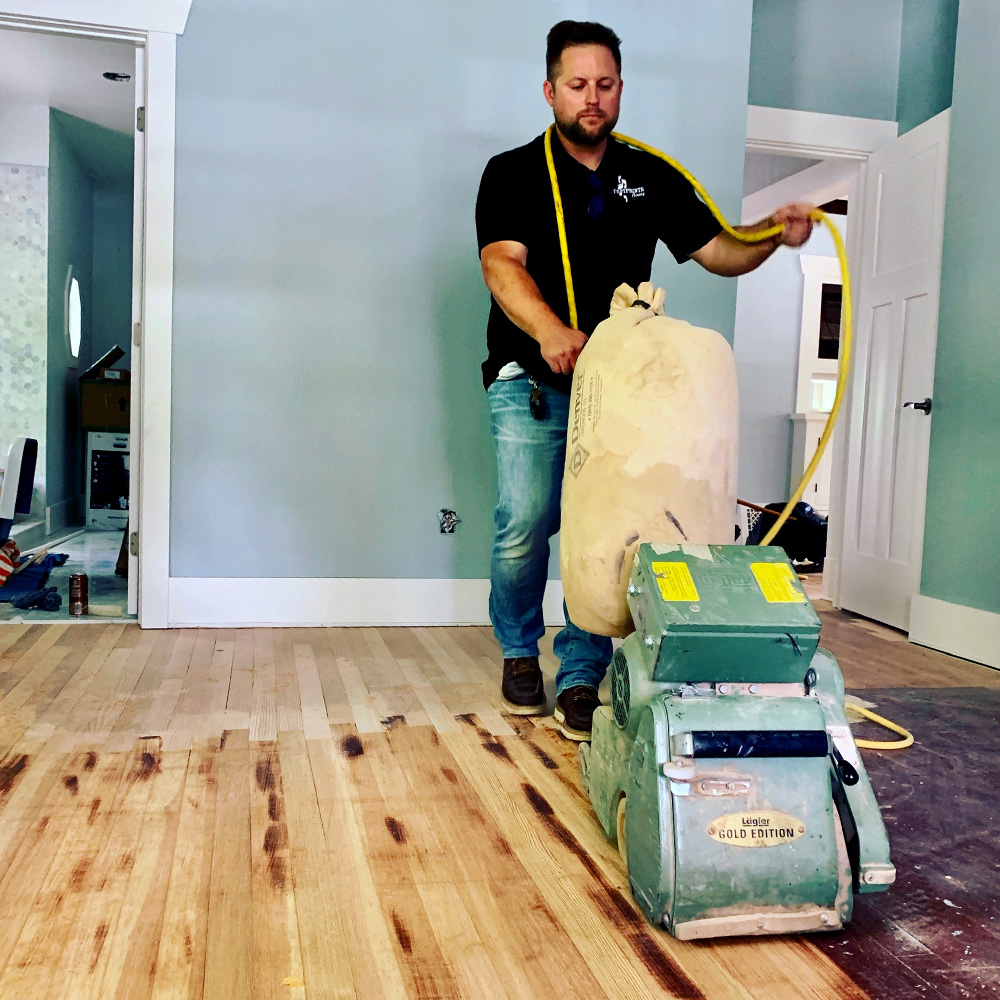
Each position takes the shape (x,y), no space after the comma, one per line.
(820,136)
(168,16)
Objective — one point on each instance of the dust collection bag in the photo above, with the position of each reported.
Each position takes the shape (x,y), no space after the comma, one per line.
(651,451)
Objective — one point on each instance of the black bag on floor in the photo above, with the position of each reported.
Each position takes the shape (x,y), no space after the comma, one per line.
(803,539)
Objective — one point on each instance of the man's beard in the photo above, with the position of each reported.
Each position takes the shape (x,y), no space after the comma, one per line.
(574,130)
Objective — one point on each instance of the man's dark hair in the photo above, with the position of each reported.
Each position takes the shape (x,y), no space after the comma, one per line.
(567,33)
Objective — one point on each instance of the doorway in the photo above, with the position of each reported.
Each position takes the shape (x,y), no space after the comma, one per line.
(69,157)
(787,350)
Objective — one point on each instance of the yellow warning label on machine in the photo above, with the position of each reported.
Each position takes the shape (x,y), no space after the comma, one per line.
(778,583)
(675,582)
(761,828)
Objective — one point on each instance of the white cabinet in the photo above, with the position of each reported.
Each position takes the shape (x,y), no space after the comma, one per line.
(807,429)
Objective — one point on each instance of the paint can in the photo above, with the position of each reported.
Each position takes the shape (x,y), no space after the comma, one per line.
(78,596)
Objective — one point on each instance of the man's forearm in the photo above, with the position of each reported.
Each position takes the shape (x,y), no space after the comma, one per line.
(741,258)
(518,296)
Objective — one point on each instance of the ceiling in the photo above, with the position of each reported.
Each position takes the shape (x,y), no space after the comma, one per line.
(65,73)
(761,170)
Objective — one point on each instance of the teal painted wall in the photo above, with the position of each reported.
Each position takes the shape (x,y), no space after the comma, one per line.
(71,241)
(961,540)
(888,59)
(926,60)
(839,58)
(329,309)
(112,305)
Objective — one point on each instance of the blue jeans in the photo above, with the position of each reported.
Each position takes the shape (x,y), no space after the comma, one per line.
(530,458)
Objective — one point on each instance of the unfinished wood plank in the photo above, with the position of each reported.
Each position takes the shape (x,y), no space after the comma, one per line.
(187,722)
(132,949)
(239,702)
(440,717)
(363,708)
(103,641)
(276,954)
(315,724)
(264,709)
(86,942)
(229,964)
(180,958)
(220,671)
(41,927)
(323,939)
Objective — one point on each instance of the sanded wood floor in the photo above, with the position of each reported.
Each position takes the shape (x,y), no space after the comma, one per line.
(333,813)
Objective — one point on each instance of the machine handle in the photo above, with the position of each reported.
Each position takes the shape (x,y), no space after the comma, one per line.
(925,406)
(847,771)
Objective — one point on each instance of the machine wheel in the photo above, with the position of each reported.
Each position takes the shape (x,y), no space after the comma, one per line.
(620,830)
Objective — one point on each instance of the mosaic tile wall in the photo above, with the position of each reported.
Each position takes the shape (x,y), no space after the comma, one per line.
(23,330)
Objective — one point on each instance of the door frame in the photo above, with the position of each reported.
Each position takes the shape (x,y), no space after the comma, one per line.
(152,25)
(826,137)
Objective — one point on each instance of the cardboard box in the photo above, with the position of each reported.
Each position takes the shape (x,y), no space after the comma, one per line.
(105,395)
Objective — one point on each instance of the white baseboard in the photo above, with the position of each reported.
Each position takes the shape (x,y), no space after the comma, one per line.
(953,628)
(231,602)
(66,514)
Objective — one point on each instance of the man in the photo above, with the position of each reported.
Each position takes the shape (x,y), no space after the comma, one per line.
(617,201)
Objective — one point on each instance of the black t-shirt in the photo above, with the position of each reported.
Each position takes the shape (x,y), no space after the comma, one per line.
(614,216)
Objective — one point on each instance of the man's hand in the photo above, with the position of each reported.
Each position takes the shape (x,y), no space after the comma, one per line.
(561,346)
(797,221)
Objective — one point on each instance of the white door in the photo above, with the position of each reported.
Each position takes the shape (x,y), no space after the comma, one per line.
(135,425)
(896,336)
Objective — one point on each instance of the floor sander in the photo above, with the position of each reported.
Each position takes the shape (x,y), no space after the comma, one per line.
(724,767)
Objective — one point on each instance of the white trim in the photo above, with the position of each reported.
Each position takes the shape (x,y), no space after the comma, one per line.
(152,24)
(953,628)
(808,133)
(816,272)
(101,15)
(242,602)
(157,333)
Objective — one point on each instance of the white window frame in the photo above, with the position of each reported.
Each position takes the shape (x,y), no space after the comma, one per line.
(153,25)
(817,271)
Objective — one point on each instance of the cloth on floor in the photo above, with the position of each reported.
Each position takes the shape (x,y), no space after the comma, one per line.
(31,578)
(47,599)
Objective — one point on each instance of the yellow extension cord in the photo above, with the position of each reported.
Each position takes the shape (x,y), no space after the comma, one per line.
(906,741)
(845,349)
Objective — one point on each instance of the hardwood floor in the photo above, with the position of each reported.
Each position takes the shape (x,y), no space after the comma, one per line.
(334,813)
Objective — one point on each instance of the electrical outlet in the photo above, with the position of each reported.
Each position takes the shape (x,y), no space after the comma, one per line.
(448,520)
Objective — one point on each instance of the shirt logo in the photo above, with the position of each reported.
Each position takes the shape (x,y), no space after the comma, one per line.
(626,192)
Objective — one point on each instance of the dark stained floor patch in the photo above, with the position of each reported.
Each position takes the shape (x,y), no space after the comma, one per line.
(617,909)
(396,829)
(936,932)
(350,746)
(543,757)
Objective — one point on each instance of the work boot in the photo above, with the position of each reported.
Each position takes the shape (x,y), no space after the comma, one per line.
(575,711)
(523,690)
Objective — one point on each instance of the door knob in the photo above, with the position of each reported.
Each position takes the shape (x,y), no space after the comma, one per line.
(925,405)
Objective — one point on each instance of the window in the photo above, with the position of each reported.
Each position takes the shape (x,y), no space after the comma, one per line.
(819,340)
(74,317)
(829,322)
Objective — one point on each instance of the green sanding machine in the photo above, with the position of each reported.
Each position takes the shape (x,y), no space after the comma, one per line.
(725,766)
